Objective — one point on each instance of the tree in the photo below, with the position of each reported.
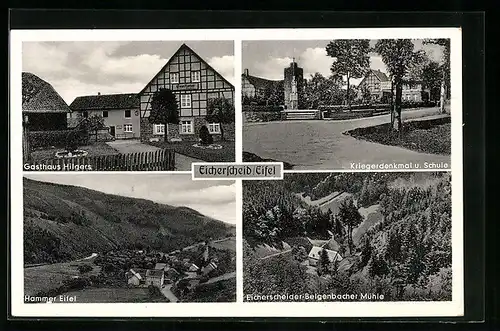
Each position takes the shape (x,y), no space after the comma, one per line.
(324,262)
(274,94)
(398,56)
(350,216)
(351,59)
(84,268)
(164,109)
(319,90)
(95,122)
(365,93)
(445,69)
(432,78)
(220,110)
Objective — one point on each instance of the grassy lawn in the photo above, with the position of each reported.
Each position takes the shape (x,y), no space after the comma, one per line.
(229,244)
(113,295)
(226,154)
(223,291)
(433,137)
(47,277)
(99,148)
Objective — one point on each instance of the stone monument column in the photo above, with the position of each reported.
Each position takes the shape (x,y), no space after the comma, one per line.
(293,86)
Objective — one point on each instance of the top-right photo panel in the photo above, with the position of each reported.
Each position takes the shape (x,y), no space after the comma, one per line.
(350,104)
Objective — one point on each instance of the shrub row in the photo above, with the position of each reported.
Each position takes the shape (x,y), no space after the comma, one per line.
(61,138)
(339,108)
(260,108)
(404,104)
(262,116)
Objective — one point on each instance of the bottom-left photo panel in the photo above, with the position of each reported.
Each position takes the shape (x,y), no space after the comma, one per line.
(127,238)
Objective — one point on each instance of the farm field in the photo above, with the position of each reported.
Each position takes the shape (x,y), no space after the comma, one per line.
(104,295)
(50,276)
(225,244)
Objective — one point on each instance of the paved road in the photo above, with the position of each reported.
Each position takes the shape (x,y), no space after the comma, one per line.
(183,162)
(168,293)
(321,145)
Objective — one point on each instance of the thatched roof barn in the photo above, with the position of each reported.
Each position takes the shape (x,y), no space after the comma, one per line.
(45,108)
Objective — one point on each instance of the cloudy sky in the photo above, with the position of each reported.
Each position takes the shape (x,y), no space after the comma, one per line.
(216,199)
(88,67)
(268,58)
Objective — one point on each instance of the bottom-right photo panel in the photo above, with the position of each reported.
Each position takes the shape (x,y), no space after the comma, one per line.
(364,236)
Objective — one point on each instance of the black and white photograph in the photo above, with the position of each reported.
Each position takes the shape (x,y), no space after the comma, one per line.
(127,105)
(371,236)
(357,104)
(122,238)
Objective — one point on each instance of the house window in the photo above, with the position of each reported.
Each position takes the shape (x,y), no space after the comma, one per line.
(187,127)
(213,128)
(105,113)
(127,128)
(159,129)
(174,77)
(127,114)
(186,101)
(195,76)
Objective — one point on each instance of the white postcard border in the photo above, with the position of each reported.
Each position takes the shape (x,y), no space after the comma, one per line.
(238,309)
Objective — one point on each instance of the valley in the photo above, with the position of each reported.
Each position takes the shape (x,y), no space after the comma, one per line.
(109,248)
(385,233)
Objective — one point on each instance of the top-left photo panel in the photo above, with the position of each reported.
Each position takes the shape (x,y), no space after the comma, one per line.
(127,105)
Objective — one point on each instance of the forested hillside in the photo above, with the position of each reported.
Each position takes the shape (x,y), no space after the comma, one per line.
(66,222)
(404,254)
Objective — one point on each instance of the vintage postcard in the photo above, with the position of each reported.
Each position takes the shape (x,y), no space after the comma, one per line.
(237,173)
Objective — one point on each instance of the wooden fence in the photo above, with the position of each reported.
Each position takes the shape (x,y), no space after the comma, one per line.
(160,160)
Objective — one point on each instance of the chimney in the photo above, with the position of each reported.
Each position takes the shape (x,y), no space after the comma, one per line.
(246,73)
(98,93)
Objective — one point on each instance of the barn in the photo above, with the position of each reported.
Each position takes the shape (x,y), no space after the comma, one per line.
(43,108)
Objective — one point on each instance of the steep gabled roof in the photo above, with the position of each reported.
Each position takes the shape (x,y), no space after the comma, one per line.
(137,272)
(262,83)
(40,97)
(377,73)
(332,255)
(183,46)
(160,266)
(104,102)
(380,75)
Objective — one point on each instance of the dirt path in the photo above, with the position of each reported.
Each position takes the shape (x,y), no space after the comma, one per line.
(227,276)
(323,145)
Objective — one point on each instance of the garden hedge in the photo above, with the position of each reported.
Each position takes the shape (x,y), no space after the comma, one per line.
(256,108)
(58,138)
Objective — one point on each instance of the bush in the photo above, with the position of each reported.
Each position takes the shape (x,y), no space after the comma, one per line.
(205,136)
(341,108)
(84,268)
(154,291)
(62,138)
(262,108)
